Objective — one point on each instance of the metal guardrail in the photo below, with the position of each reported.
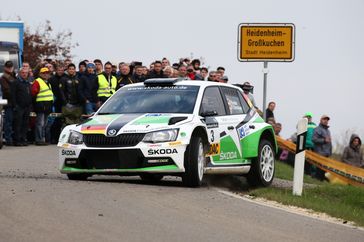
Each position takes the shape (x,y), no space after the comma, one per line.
(339,171)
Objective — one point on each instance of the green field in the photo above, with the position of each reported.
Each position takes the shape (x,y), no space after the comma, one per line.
(341,201)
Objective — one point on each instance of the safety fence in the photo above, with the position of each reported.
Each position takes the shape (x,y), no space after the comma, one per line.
(338,172)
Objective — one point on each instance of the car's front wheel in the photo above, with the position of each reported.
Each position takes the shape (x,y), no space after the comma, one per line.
(78,177)
(194,163)
(262,170)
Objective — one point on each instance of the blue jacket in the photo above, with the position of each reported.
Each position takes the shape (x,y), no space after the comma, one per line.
(321,146)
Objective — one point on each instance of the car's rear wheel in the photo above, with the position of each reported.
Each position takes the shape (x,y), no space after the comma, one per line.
(194,163)
(78,177)
(262,170)
(151,177)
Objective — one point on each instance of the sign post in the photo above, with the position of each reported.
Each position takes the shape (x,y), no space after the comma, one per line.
(266,42)
(299,161)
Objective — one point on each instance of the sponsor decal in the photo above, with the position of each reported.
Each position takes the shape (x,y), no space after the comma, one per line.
(175,143)
(68,152)
(162,151)
(158,161)
(228,155)
(214,149)
(153,115)
(66,145)
(155,145)
(243,131)
(183,134)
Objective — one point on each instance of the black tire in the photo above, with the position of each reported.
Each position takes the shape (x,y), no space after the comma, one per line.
(194,163)
(148,177)
(78,177)
(262,170)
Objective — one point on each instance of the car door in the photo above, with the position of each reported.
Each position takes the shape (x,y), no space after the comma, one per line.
(223,138)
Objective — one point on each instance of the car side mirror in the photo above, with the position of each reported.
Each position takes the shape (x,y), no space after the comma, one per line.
(209,113)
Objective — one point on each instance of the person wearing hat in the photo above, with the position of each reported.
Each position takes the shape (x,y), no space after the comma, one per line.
(309,169)
(310,128)
(88,89)
(7,81)
(42,92)
(322,142)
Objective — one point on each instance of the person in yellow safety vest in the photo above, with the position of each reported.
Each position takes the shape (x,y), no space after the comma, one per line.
(106,84)
(43,94)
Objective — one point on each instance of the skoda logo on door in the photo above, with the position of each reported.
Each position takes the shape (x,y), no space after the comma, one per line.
(111,132)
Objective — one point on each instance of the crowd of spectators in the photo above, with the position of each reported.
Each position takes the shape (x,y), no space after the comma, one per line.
(62,88)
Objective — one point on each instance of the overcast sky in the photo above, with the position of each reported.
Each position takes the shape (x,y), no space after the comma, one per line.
(326,77)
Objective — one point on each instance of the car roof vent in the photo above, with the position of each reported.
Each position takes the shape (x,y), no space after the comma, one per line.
(162,81)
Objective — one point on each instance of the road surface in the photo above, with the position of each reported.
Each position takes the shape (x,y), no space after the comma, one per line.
(39,204)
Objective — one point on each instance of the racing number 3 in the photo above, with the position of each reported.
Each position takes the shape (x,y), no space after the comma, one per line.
(212,136)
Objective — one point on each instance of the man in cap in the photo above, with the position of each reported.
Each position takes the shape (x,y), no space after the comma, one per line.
(322,142)
(43,94)
(7,81)
(309,169)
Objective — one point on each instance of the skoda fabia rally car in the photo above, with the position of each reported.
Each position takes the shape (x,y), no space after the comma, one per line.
(171,127)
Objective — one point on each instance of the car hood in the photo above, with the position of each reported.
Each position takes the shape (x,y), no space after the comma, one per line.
(114,124)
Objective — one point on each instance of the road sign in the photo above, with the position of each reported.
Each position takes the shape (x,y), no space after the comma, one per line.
(266,42)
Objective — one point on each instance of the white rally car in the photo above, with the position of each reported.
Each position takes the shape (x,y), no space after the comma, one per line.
(171,127)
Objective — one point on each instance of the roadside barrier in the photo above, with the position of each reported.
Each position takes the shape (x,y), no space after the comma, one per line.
(338,172)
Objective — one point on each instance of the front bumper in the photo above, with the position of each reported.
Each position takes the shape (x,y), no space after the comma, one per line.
(150,158)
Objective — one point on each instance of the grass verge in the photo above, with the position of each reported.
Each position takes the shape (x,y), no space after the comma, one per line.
(345,202)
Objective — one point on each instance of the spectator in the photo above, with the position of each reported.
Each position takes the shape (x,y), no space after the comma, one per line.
(72,98)
(224,79)
(138,75)
(322,142)
(165,63)
(89,89)
(22,98)
(269,111)
(182,71)
(56,125)
(125,77)
(106,84)
(191,72)
(157,71)
(248,90)
(277,129)
(7,81)
(99,66)
(114,70)
(196,65)
(221,70)
(310,129)
(310,169)
(212,76)
(204,73)
(168,71)
(42,91)
(353,154)
(81,69)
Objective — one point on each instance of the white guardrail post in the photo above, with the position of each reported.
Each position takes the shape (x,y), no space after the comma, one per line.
(299,163)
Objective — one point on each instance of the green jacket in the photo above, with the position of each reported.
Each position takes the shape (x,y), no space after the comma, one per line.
(310,127)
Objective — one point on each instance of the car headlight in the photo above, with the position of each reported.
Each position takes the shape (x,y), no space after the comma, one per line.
(161,136)
(75,138)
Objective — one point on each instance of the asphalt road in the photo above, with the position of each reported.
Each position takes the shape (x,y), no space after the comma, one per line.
(39,204)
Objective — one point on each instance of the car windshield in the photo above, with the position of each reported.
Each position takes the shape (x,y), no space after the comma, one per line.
(146,99)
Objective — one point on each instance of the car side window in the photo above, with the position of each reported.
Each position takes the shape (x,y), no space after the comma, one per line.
(233,101)
(212,101)
(244,103)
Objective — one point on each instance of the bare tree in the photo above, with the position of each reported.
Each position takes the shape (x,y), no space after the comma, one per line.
(43,42)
